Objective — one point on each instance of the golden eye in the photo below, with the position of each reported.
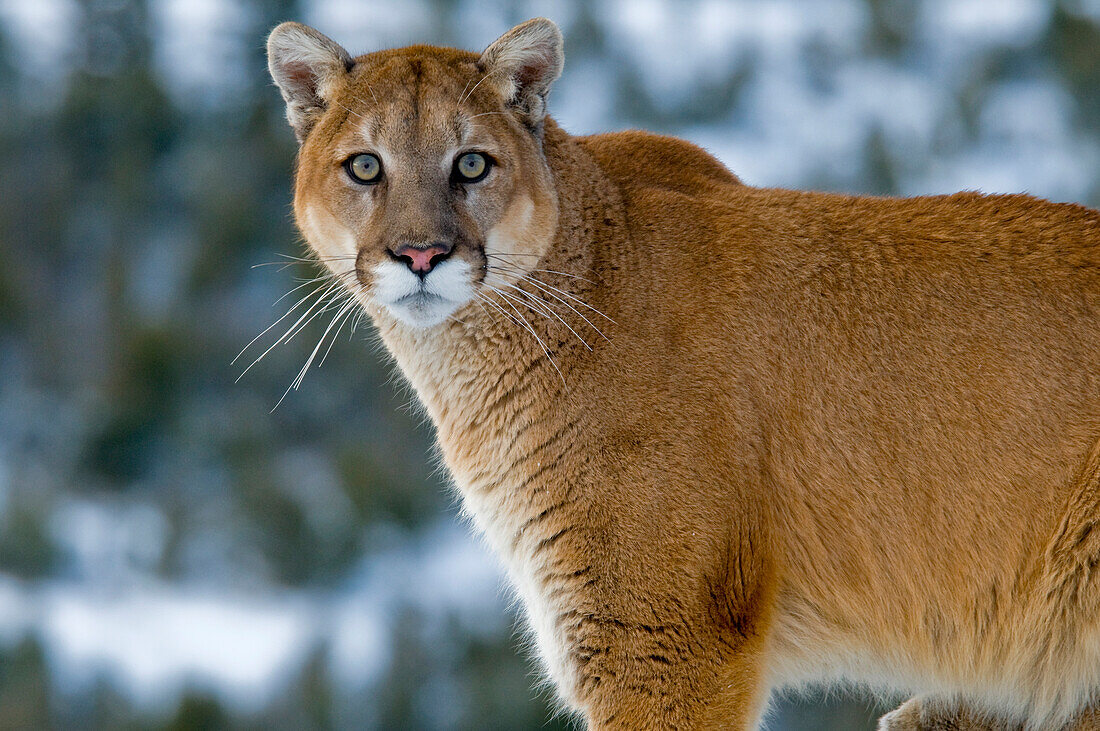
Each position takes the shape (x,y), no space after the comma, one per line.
(471,167)
(364,168)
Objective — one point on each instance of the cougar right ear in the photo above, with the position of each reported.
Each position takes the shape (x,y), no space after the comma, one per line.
(306,65)
(524,63)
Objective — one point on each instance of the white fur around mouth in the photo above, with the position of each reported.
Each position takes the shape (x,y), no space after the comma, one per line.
(423,302)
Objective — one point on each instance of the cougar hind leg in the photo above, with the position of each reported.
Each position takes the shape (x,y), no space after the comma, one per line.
(1069,588)
(925,714)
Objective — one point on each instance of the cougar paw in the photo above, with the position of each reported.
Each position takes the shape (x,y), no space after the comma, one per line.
(906,717)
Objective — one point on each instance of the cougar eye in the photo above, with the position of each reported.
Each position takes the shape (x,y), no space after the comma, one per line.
(471,167)
(364,168)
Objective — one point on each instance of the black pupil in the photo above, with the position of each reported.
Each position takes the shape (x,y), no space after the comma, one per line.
(365,167)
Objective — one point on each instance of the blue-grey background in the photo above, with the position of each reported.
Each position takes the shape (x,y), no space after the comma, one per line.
(175,555)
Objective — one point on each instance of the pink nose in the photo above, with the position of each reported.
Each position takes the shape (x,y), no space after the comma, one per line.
(421,259)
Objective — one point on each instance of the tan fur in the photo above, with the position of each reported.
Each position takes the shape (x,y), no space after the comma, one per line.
(825,438)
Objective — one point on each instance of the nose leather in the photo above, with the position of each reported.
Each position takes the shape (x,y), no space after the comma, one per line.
(421,259)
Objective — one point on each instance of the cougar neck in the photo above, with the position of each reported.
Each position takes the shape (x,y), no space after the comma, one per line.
(502,360)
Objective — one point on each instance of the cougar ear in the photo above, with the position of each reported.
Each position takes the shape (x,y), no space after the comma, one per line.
(306,65)
(524,63)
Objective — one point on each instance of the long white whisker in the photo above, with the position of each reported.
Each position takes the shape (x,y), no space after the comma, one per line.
(292,331)
(485,114)
(333,303)
(513,299)
(512,265)
(565,274)
(315,259)
(543,311)
(496,306)
(371,94)
(338,317)
(462,95)
(487,313)
(281,264)
(345,314)
(471,92)
(579,301)
(551,311)
(268,328)
(549,290)
(531,330)
(313,355)
(328,276)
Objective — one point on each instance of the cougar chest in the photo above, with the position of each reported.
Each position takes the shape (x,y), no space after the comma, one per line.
(531,522)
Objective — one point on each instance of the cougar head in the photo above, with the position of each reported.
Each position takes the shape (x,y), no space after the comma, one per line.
(421,169)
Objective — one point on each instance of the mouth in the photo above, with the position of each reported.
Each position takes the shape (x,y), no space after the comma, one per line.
(422,308)
(421,298)
(422,302)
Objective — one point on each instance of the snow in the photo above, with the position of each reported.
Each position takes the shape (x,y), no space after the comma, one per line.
(155,639)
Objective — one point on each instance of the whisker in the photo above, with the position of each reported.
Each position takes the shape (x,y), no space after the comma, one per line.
(297,382)
(347,316)
(550,290)
(371,94)
(519,321)
(289,334)
(531,330)
(549,309)
(268,328)
(542,286)
(359,316)
(523,303)
(349,111)
(539,283)
(477,301)
(548,271)
(316,258)
(303,284)
(462,95)
(485,114)
(281,264)
(327,276)
(498,308)
(334,302)
(471,92)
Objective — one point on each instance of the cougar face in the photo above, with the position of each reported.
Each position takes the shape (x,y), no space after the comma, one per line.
(417,173)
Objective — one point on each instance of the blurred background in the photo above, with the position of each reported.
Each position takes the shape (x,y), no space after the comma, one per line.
(173,553)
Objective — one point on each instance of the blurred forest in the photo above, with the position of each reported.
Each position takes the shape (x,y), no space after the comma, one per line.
(173,553)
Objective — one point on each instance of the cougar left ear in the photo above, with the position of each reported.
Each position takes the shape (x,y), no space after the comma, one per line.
(306,65)
(524,63)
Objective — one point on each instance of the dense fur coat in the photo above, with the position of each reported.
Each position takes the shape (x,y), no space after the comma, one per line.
(725,438)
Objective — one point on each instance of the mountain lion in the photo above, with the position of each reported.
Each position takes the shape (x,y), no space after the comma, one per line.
(724,438)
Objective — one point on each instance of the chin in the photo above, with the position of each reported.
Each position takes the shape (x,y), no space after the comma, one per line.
(423,310)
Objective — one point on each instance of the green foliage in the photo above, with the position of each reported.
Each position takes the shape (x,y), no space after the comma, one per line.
(24,687)
(26,549)
(199,713)
(1072,41)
